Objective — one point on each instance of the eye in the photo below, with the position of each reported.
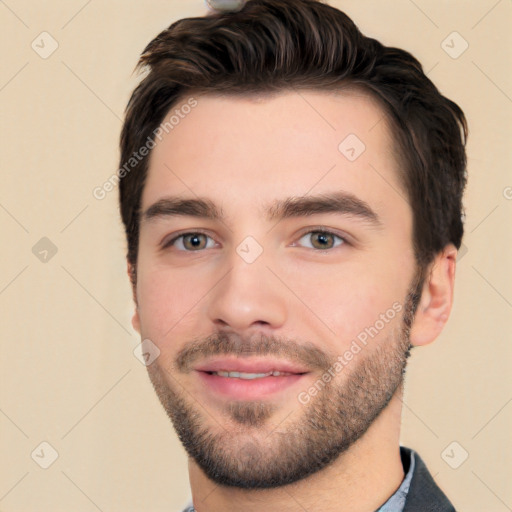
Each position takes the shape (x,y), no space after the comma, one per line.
(191,242)
(321,240)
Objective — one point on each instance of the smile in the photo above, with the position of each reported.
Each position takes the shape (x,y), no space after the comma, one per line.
(249,376)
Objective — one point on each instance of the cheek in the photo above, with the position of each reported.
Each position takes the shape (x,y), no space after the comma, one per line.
(351,301)
(167,300)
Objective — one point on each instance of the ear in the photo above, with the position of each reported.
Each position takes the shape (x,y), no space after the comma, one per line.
(132,274)
(436,298)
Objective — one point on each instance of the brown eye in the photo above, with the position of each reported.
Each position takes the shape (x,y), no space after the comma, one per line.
(191,242)
(194,241)
(321,240)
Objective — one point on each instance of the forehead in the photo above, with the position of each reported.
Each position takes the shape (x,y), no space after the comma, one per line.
(246,149)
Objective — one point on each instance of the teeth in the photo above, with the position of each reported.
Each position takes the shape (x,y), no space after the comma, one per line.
(243,375)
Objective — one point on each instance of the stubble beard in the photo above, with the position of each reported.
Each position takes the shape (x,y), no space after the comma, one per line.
(249,454)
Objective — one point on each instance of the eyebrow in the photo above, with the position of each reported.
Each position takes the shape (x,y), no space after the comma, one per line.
(299,206)
(334,202)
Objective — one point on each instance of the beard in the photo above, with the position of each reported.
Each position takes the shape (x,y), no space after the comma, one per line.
(253,455)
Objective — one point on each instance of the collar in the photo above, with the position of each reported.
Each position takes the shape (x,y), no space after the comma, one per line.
(397,502)
(417,492)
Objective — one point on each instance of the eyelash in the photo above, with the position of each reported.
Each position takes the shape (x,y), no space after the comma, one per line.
(319,230)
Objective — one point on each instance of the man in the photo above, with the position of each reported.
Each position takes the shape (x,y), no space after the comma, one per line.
(292,204)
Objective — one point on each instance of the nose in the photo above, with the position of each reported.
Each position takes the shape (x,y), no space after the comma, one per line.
(248,298)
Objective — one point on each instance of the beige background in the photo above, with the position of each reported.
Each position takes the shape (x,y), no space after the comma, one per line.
(68,373)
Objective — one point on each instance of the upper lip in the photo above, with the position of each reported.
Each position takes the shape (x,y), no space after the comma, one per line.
(250,365)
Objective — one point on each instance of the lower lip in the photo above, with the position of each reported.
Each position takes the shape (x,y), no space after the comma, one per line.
(248,389)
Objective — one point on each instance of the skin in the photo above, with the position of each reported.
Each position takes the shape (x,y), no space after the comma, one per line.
(242,154)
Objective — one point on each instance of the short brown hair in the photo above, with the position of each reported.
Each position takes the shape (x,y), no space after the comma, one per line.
(277,45)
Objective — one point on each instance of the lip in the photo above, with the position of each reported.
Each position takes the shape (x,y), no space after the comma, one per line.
(244,389)
(250,365)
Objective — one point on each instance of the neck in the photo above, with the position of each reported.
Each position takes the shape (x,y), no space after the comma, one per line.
(360,480)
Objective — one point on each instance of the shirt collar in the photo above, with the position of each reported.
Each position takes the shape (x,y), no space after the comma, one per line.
(397,502)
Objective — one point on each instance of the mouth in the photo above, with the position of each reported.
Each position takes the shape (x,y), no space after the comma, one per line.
(249,378)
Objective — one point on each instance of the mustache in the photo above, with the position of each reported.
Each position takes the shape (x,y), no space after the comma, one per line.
(223,343)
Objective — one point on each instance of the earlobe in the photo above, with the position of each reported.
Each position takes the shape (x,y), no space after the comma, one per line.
(136,320)
(132,275)
(436,299)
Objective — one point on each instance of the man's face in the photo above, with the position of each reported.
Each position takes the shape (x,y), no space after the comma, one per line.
(275,281)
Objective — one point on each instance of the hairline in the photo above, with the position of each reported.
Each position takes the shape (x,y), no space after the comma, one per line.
(392,130)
